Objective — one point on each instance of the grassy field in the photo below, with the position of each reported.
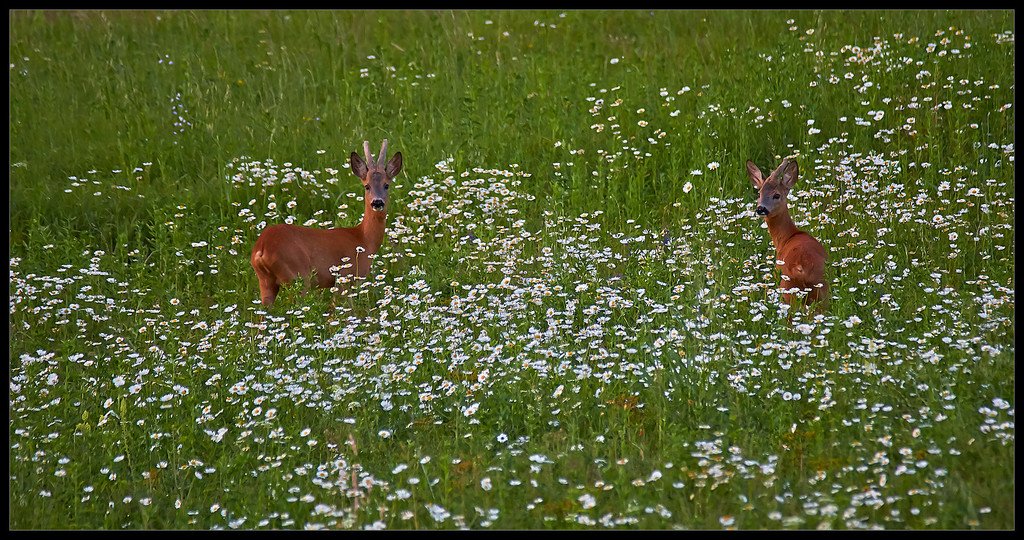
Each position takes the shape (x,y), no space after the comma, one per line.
(573,322)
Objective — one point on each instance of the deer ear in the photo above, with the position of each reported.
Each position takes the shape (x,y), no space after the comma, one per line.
(358,165)
(755,175)
(394,165)
(789,174)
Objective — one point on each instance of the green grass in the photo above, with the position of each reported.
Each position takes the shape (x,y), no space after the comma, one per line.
(566,327)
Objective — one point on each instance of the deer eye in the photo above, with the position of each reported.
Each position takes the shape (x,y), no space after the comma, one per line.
(366,187)
(776,196)
(386,186)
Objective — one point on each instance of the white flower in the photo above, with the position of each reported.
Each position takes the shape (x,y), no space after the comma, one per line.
(687,187)
(485,483)
(587,500)
(438,512)
(713,165)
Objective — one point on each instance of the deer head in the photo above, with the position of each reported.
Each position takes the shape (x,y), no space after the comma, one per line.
(773,191)
(376,175)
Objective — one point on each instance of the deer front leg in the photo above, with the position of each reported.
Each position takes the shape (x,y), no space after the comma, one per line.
(819,296)
(787,297)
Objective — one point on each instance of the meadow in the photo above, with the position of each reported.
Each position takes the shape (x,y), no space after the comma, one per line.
(573,321)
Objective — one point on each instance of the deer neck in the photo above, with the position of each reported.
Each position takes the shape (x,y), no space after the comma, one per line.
(780,227)
(372,227)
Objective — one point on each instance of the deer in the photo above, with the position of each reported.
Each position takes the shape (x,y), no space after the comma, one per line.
(799,256)
(284,252)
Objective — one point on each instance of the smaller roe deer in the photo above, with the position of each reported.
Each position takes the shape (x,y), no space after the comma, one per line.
(284,252)
(799,256)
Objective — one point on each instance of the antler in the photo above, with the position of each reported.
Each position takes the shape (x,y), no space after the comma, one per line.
(383,153)
(785,161)
(366,151)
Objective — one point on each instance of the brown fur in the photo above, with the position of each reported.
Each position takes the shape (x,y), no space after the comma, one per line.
(803,257)
(284,252)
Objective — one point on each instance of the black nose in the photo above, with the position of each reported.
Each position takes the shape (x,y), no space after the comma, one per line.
(377,204)
(761,211)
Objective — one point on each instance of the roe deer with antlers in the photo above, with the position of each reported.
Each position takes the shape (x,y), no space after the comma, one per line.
(799,256)
(284,252)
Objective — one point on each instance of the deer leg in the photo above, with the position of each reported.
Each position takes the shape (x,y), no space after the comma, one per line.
(316,279)
(789,299)
(820,297)
(786,297)
(268,292)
